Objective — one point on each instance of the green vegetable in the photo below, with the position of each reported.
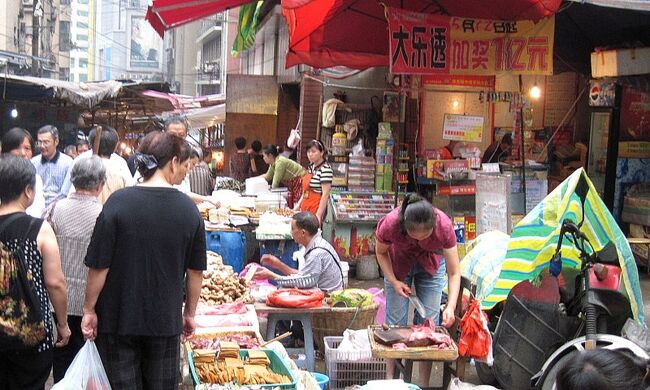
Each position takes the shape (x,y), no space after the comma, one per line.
(352,297)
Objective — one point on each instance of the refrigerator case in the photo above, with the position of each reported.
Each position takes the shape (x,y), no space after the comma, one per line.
(351,221)
(599,136)
(605,104)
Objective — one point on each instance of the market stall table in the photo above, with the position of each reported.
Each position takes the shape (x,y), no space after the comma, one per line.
(303,315)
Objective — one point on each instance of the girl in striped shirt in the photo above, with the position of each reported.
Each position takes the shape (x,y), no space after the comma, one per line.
(317,183)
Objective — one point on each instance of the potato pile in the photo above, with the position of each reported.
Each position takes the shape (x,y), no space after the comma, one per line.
(218,289)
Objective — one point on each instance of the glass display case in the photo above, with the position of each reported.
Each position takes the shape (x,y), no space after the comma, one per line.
(597,161)
(351,221)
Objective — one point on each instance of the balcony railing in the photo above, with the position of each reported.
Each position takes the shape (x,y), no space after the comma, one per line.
(212,21)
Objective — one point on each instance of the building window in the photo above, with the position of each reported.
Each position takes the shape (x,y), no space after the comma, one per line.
(82,13)
(83,63)
(65,2)
(83,78)
(82,1)
(65,43)
(82,25)
(73,62)
(82,37)
(64,74)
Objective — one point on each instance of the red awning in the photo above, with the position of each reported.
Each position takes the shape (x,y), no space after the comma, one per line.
(354,33)
(166,14)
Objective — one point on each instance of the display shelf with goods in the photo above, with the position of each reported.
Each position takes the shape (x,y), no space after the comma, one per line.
(361,174)
(351,220)
(340,166)
(385,159)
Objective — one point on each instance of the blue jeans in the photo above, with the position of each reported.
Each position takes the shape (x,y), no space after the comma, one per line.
(428,288)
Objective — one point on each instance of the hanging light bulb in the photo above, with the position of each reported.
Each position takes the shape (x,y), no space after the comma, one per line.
(14,113)
(455,103)
(535,92)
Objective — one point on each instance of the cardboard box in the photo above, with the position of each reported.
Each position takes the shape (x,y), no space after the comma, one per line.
(435,167)
(620,62)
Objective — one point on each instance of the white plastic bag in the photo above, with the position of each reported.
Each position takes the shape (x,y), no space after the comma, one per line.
(86,371)
(457,384)
(355,341)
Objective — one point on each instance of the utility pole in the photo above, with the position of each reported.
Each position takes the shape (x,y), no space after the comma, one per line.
(35,39)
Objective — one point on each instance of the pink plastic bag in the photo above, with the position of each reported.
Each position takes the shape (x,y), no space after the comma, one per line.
(380,299)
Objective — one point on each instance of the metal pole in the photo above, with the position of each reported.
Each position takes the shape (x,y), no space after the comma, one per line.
(35,40)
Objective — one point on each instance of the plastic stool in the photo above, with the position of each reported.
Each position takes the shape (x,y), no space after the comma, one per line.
(305,319)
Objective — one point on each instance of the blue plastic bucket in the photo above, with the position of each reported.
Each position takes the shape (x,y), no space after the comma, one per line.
(321,379)
(282,249)
(230,245)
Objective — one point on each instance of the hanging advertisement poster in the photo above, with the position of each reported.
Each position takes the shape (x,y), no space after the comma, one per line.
(464,128)
(436,44)
(634,141)
(145,46)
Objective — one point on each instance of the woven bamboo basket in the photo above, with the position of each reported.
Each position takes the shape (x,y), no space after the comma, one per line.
(336,321)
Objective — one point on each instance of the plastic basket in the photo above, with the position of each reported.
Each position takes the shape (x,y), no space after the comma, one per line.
(336,321)
(349,368)
(304,281)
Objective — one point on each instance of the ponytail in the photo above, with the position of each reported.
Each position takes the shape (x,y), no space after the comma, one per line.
(415,213)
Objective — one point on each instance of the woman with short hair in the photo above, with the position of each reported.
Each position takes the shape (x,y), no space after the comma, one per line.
(32,242)
(146,254)
(18,142)
(73,220)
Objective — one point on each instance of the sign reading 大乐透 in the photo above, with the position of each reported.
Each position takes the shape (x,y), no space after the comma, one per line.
(436,44)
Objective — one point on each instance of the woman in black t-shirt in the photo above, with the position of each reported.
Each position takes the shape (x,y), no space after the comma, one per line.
(147,251)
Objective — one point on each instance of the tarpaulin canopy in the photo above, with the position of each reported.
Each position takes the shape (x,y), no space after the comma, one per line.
(354,33)
(86,95)
(533,242)
(166,14)
(639,5)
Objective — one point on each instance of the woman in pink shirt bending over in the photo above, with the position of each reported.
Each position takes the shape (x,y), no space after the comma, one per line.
(416,246)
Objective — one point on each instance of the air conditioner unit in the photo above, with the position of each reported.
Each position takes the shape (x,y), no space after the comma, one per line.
(27,2)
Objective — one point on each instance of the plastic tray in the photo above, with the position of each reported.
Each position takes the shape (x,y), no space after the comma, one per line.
(277,365)
(413,353)
(349,368)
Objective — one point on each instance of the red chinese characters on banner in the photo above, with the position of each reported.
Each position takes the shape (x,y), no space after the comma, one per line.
(435,44)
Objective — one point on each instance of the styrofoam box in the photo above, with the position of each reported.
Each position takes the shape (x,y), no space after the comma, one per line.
(348,368)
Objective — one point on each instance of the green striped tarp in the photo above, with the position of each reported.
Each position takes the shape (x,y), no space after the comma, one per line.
(533,241)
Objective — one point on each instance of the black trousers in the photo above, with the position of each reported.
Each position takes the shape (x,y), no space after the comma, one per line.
(24,370)
(140,362)
(65,355)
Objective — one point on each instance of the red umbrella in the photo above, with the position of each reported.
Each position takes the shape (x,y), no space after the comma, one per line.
(354,33)
(166,14)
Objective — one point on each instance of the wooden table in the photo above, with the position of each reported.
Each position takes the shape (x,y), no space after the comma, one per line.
(404,358)
(303,315)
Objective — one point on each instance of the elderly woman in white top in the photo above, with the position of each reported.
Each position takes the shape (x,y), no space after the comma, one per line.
(73,220)
(18,142)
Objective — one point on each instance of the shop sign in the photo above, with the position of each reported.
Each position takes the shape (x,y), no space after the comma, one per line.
(635,116)
(464,128)
(634,149)
(602,93)
(436,44)
(460,80)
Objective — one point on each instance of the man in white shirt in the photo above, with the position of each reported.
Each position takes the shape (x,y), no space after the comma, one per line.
(177,126)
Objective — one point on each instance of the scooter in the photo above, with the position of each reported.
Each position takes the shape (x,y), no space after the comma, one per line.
(543,326)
